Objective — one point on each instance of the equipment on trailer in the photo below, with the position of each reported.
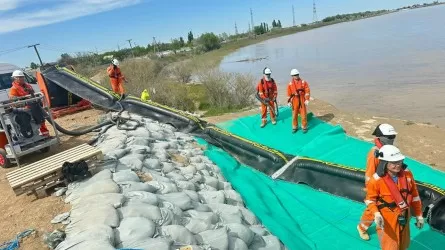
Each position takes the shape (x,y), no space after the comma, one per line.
(20,120)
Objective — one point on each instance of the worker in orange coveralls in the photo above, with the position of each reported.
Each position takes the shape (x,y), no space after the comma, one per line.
(298,93)
(392,191)
(21,88)
(116,77)
(267,91)
(385,134)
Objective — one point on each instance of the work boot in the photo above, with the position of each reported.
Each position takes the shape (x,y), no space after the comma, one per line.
(363,234)
(294,130)
(263,123)
(274,122)
(304,130)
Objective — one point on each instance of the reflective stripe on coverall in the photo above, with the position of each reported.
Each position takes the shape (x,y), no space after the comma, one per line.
(393,236)
(298,92)
(116,79)
(267,89)
(17,90)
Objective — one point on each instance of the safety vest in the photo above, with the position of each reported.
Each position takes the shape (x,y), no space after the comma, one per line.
(267,90)
(114,72)
(298,89)
(18,90)
(401,198)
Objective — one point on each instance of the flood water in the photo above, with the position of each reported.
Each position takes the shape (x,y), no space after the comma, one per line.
(391,65)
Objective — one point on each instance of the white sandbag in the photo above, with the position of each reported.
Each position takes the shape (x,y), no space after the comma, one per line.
(211,181)
(126,175)
(143,197)
(204,172)
(195,159)
(237,243)
(118,153)
(139,132)
(96,232)
(173,144)
(179,234)
(169,217)
(185,185)
(259,230)
(190,169)
(192,194)
(114,199)
(205,187)
(134,229)
(160,145)
(99,187)
(186,153)
(207,217)
(198,206)
(152,163)
(233,198)
(139,141)
(153,126)
(129,186)
(216,239)
(140,157)
(225,186)
(220,177)
(179,199)
(196,226)
(157,177)
(211,197)
(162,156)
(110,164)
(157,135)
(248,216)
(240,231)
(140,210)
(163,187)
(149,244)
(175,176)
(139,149)
(200,166)
(86,217)
(227,213)
(132,162)
(268,242)
(167,167)
(85,245)
(170,206)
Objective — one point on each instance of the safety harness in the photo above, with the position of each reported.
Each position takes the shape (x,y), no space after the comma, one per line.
(266,89)
(297,92)
(402,198)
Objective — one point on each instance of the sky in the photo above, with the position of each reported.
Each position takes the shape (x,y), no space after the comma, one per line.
(70,26)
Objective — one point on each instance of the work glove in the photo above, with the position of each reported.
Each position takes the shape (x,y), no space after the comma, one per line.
(306,102)
(420,222)
(378,219)
(289,104)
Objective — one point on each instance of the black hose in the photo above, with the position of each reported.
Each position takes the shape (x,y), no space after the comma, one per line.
(78,132)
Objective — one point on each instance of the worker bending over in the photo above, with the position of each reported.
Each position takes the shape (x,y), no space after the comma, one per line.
(298,93)
(385,134)
(392,191)
(21,88)
(116,77)
(267,91)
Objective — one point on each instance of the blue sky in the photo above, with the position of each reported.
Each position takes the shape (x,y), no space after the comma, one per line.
(86,25)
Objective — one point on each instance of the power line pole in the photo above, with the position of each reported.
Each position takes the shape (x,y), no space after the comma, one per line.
(131,47)
(154,45)
(37,52)
(249,27)
(251,21)
(314,18)
(293,15)
(236,29)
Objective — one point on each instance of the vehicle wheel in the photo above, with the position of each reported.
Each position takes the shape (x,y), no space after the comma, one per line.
(45,150)
(4,162)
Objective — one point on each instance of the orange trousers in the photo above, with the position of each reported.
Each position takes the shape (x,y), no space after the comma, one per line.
(117,87)
(298,109)
(366,220)
(392,237)
(271,112)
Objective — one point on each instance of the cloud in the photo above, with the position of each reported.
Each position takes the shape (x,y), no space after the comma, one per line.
(8,5)
(64,11)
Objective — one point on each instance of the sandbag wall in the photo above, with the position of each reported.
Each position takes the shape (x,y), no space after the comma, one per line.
(338,180)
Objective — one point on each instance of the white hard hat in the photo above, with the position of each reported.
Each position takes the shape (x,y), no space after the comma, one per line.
(390,153)
(294,72)
(115,62)
(384,129)
(267,71)
(17,73)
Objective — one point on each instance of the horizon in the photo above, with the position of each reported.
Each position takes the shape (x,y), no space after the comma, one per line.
(52,18)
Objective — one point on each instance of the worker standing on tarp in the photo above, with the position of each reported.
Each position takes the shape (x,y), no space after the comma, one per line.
(391,192)
(116,77)
(21,88)
(298,93)
(267,91)
(385,134)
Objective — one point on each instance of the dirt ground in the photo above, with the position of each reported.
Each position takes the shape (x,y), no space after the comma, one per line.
(423,142)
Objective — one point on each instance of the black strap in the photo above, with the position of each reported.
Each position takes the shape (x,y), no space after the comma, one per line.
(268,89)
(391,205)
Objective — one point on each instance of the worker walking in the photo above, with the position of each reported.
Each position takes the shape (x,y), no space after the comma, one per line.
(392,191)
(385,134)
(21,88)
(116,77)
(267,92)
(298,93)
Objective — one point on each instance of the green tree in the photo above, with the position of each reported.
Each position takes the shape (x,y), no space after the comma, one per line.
(279,24)
(175,45)
(190,37)
(34,65)
(181,42)
(274,24)
(209,41)
(65,58)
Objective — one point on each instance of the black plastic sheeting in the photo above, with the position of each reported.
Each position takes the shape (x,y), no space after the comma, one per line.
(331,178)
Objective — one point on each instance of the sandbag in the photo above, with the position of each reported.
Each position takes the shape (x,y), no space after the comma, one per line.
(195,159)
(207,217)
(211,197)
(216,239)
(179,199)
(227,213)
(141,210)
(129,186)
(192,194)
(268,242)
(196,226)
(149,244)
(185,185)
(190,169)
(114,199)
(152,163)
(259,230)
(233,198)
(175,176)
(118,153)
(224,186)
(139,149)
(139,132)
(211,181)
(99,187)
(237,244)
(248,216)
(134,229)
(169,217)
(90,216)
(170,206)
(200,166)
(157,177)
(97,232)
(198,206)
(240,231)
(127,175)
(160,145)
(163,187)
(179,234)
(205,187)
(139,141)
(197,179)
(167,167)
(142,196)
(85,245)
(132,162)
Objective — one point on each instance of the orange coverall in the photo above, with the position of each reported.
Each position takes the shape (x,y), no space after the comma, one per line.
(371,167)
(300,92)
(17,90)
(116,79)
(393,237)
(267,89)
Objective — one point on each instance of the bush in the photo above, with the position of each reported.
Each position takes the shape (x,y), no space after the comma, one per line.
(209,41)
(182,71)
